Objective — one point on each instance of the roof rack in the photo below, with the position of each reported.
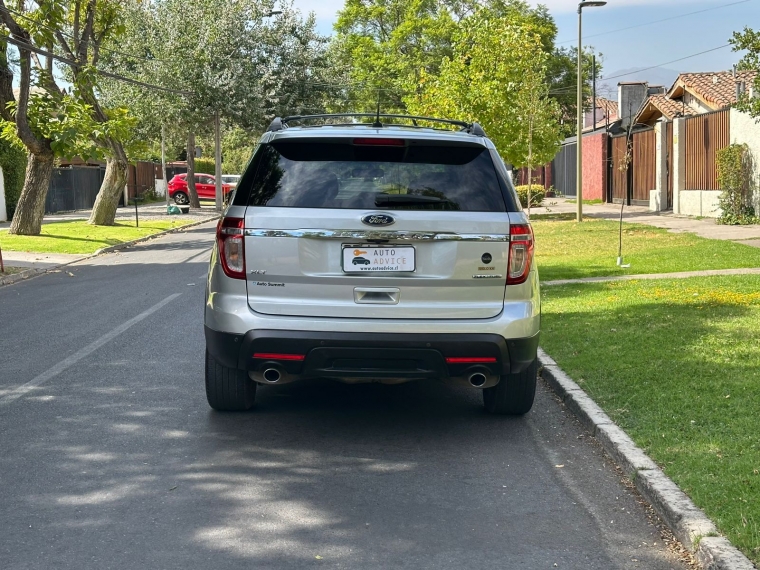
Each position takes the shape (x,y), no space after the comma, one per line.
(279,124)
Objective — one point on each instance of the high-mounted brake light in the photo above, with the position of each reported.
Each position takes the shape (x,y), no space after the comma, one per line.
(379,142)
(520,253)
(230,237)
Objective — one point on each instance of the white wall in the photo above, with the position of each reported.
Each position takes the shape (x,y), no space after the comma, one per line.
(160,187)
(699,203)
(746,130)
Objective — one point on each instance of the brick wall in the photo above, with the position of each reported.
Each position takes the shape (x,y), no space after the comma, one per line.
(595,166)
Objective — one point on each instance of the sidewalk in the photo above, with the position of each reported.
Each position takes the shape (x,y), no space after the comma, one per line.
(147,212)
(706,227)
(43,261)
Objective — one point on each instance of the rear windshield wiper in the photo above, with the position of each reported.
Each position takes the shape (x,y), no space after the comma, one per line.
(390,199)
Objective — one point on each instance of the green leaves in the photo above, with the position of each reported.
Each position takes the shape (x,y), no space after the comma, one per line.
(749,40)
(506,94)
(228,56)
(63,121)
(736,176)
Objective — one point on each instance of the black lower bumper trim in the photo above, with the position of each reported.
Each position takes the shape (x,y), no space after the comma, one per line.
(371,355)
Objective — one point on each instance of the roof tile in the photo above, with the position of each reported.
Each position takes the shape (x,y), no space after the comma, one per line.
(718,87)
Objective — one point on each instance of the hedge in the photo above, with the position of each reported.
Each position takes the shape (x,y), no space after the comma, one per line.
(13,162)
(205,165)
(536,196)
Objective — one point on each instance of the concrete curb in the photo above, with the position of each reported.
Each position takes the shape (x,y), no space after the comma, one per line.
(118,246)
(687,522)
(34,272)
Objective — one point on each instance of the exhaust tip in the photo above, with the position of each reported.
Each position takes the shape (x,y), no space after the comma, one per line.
(477,379)
(272,375)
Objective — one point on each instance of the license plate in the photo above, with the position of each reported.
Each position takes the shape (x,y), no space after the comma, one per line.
(378,259)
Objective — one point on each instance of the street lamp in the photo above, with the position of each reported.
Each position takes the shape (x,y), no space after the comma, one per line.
(579,134)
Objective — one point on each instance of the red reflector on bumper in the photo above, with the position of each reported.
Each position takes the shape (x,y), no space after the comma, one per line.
(470,359)
(278,356)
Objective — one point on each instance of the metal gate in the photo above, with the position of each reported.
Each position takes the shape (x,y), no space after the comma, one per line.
(564,167)
(73,188)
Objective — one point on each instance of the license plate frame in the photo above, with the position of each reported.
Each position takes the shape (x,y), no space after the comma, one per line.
(367,254)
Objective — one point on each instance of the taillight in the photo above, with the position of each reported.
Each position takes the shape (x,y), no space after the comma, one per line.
(520,253)
(231,240)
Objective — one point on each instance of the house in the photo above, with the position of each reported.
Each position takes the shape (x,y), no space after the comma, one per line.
(695,94)
(605,112)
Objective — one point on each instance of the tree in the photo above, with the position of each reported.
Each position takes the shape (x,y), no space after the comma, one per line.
(506,95)
(749,40)
(49,122)
(90,24)
(386,46)
(226,57)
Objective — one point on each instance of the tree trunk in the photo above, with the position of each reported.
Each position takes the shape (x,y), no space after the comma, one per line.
(30,208)
(193,193)
(107,200)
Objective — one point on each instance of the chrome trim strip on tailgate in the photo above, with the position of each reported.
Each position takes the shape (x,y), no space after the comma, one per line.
(377,234)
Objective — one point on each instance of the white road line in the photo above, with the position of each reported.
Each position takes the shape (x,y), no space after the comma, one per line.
(81,353)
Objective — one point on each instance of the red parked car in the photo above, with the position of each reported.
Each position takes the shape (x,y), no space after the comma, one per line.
(205,185)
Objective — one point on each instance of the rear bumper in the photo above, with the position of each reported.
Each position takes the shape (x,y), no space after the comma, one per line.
(365,357)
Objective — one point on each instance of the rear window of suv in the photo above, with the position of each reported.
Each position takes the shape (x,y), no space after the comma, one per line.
(362,175)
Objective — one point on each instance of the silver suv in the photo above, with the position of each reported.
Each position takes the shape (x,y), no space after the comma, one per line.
(372,252)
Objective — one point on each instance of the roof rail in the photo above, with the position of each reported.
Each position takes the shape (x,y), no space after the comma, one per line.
(279,124)
(276,125)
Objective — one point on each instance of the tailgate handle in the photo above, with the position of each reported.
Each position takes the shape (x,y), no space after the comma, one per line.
(376,295)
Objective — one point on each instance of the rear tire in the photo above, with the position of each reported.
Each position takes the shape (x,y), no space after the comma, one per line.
(514,393)
(228,389)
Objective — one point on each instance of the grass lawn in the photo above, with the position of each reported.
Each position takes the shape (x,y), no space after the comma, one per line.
(675,363)
(589,202)
(80,237)
(568,250)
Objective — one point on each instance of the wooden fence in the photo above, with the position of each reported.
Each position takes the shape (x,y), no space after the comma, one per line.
(643,166)
(141,176)
(618,178)
(541,175)
(705,135)
(669,162)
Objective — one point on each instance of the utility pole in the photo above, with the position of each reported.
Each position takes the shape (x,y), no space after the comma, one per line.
(579,103)
(218,162)
(593,95)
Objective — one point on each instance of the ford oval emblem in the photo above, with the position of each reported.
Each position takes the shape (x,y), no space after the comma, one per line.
(378,220)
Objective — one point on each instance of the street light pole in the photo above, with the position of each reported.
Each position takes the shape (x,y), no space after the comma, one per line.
(217,163)
(579,103)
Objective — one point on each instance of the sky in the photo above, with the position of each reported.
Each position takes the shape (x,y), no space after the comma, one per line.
(652,44)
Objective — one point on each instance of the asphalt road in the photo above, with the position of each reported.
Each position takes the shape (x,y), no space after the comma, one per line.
(111,458)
